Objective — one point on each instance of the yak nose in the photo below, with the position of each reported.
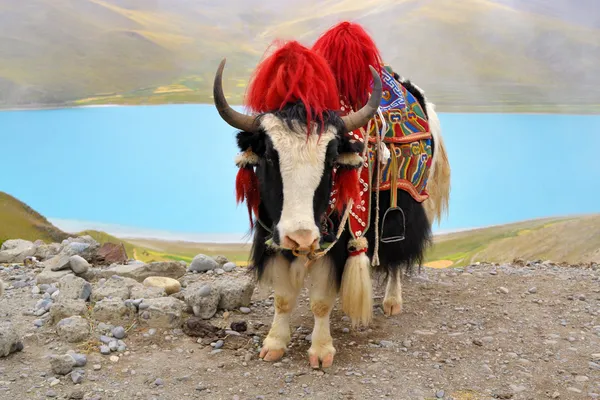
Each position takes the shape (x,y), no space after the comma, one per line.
(302,239)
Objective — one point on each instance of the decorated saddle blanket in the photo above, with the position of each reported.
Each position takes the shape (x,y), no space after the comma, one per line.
(404,131)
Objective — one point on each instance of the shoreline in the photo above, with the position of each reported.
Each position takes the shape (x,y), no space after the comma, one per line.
(483,109)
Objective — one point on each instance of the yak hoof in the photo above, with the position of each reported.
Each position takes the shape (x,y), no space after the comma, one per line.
(324,355)
(392,307)
(271,354)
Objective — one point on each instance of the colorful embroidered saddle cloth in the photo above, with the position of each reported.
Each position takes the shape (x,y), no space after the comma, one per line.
(404,130)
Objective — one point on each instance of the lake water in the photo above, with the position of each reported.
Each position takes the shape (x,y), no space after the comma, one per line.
(171,168)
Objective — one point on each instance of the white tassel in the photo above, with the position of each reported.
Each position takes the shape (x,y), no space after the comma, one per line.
(356,292)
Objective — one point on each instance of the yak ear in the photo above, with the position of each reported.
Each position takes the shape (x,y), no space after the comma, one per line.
(252,141)
(350,151)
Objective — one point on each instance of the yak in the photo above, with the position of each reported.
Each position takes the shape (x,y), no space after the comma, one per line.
(302,162)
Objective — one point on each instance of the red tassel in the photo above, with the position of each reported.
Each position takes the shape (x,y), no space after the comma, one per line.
(246,189)
(347,186)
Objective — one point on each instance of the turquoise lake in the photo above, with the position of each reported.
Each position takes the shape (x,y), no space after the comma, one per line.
(171,167)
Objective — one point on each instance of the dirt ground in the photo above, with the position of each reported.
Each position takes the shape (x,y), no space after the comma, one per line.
(483,332)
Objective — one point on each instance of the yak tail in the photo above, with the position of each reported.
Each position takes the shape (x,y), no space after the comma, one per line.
(438,184)
(356,291)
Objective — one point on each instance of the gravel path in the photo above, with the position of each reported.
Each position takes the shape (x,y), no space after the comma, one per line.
(485,332)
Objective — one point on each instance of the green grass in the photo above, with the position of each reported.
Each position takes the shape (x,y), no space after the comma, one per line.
(19,221)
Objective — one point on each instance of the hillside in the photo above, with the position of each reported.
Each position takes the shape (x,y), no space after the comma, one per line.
(187,250)
(474,55)
(572,240)
(18,220)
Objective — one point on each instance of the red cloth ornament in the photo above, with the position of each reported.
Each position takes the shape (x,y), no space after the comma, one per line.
(246,188)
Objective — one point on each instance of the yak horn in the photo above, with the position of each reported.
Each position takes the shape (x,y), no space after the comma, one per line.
(362,116)
(235,119)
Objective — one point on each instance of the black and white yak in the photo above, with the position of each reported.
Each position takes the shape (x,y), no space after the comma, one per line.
(292,149)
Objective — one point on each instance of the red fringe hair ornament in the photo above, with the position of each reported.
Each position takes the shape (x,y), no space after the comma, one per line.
(246,183)
(346,183)
(293,73)
(350,50)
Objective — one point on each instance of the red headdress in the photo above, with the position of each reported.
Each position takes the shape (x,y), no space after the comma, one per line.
(350,50)
(293,73)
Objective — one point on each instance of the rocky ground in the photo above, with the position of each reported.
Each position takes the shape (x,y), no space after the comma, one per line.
(515,331)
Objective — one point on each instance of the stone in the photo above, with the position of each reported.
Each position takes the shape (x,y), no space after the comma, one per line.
(203,298)
(221,260)
(147,292)
(118,332)
(80,359)
(44,251)
(203,263)
(73,329)
(164,312)
(65,308)
(115,287)
(111,253)
(502,289)
(197,327)
(112,310)
(59,262)
(10,340)
(16,250)
(105,350)
(139,272)
(84,246)
(77,377)
(235,292)
(170,285)
(74,288)
(228,267)
(245,310)
(239,326)
(47,276)
(62,365)
(76,395)
(78,264)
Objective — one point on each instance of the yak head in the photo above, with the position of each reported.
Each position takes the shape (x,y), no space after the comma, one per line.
(293,163)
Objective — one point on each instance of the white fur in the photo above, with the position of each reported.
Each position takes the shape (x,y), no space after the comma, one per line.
(301,163)
(392,301)
(287,280)
(322,297)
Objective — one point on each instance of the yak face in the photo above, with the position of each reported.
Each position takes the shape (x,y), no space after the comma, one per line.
(294,174)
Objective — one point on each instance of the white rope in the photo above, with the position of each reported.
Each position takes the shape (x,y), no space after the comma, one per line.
(375,260)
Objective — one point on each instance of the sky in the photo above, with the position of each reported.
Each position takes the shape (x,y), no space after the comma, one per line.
(169,170)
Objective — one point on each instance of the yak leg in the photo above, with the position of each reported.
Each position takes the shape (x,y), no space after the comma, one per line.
(287,281)
(322,297)
(392,302)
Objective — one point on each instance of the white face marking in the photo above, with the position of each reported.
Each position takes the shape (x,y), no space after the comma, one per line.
(301,163)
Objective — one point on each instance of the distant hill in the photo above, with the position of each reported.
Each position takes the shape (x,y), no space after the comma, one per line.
(469,55)
(571,239)
(19,221)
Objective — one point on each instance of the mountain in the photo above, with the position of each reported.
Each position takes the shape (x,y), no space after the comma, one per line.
(472,55)
(19,221)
